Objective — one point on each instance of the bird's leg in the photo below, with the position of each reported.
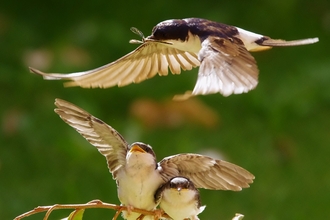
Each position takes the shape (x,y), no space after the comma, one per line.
(158,213)
(130,208)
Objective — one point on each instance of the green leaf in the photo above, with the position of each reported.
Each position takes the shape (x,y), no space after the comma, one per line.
(75,215)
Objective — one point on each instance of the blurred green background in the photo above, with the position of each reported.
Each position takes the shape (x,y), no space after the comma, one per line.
(280,131)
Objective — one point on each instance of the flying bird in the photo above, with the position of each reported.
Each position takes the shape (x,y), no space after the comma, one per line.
(179,199)
(135,169)
(221,51)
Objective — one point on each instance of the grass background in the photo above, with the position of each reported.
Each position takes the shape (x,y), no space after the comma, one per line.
(280,131)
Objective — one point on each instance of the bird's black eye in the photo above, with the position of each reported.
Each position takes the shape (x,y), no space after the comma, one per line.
(157,32)
(160,34)
(147,149)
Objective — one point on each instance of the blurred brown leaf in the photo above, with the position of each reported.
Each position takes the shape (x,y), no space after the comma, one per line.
(174,114)
(41,58)
(75,56)
(11,120)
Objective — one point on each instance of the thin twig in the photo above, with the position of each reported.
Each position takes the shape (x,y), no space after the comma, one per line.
(90,205)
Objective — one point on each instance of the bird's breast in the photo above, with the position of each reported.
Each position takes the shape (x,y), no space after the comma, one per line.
(137,186)
(182,197)
(179,205)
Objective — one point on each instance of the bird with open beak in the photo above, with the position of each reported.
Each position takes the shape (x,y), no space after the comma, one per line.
(135,169)
(179,199)
(221,51)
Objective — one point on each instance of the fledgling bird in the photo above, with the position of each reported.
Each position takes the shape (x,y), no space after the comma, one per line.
(221,51)
(135,169)
(179,199)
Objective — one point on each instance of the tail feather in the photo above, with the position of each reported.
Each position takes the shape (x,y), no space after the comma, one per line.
(265,41)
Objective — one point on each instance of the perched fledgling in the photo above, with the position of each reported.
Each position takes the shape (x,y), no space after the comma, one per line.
(135,169)
(221,51)
(179,199)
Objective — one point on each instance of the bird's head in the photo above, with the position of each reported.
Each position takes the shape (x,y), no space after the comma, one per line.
(174,29)
(180,183)
(141,153)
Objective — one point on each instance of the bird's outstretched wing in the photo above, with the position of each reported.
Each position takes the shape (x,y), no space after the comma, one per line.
(206,172)
(227,67)
(146,61)
(106,139)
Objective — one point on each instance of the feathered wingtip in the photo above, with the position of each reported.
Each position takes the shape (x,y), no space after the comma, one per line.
(47,76)
(57,76)
(40,73)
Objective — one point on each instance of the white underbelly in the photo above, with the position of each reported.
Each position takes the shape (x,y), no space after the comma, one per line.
(138,190)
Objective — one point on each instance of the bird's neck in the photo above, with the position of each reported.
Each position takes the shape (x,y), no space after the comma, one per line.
(192,44)
(139,163)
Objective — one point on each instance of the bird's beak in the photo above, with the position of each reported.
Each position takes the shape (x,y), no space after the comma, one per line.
(136,148)
(152,39)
